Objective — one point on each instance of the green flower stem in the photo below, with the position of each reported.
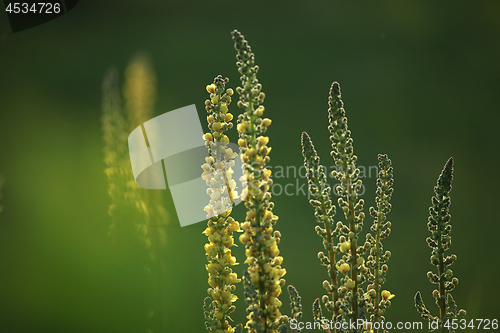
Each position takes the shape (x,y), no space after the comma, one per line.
(382,230)
(324,211)
(354,271)
(442,291)
(439,226)
(342,152)
(333,272)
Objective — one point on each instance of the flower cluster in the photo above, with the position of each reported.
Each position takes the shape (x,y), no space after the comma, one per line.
(350,271)
(261,240)
(377,301)
(440,241)
(352,206)
(217,172)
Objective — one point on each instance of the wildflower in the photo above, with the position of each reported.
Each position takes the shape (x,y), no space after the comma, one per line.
(211,88)
(223,108)
(220,226)
(262,140)
(387,295)
(266,122)
(208,137)
(345,246)
(344,268)
(216,126)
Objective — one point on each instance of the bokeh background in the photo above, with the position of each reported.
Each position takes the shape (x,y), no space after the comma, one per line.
(420,82)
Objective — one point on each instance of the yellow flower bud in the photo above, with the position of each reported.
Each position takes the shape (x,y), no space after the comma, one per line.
(208,136)
(350,284)
(268,215)
(225,139)
(260,111)
(360,261)
(344,268)
(216,126)
(387,295)
(251,152)
(345,246)
(210,119)
(211,88)
(215,99)
(266,122)
(228,117)
(223,108)
(263,140)
(244,238)
(242,143)
(242,126)
(219,315)
(229,92)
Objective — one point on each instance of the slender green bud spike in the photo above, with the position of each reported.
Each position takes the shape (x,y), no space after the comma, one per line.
(324,210)
(295,302)
(317,312)
(440,241)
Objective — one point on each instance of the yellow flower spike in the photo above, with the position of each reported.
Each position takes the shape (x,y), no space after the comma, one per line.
(211,88)
(344,268)
(387,295)
(229,92)
(350,284)
(216,126)
(266,122)
(263,140)
(228,117)
(345,246)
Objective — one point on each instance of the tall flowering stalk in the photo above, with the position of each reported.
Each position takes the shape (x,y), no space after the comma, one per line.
(440,241)
(324,213)
(345,259)
(347,175)
(263,279)
(217,172)
(379,300)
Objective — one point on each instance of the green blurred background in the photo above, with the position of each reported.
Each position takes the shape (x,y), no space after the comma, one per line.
(420,82)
